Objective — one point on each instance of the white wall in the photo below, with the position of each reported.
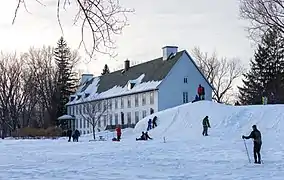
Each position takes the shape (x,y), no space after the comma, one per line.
(113,111)
(171,90)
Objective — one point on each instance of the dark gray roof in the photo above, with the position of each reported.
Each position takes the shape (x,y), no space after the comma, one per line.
(154,70)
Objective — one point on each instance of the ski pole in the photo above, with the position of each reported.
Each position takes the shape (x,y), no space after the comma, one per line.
(247,151)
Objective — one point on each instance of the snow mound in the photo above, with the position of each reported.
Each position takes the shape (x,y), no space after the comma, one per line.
(227,122)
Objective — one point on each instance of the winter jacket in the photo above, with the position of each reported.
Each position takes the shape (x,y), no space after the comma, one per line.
(205,122)
(202,91)
(256,136)
(118,131)
(199,90)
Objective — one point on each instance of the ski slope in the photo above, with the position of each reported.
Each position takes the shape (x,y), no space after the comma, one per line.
(185,154)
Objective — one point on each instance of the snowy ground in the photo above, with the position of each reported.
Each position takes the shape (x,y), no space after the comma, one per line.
(185,155)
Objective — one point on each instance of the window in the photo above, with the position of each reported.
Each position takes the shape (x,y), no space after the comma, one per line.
(144,113)
(84,132)
(115,103)
(110,119)
(136,100)
(136,116)
(84,108)
(105,120)
(185,97)
(116,118)
(129,118)
(151,110)
(128,101)
(143,99)
(121,103)
(94,108)
(122,117)
(185,80)
(110,104)
(77,112)
(76,123)
(84,125)
(99,106)
(88,122)
(80,123)
(88,132)
(99,122)
(151,97)
(105,105)
(80,109)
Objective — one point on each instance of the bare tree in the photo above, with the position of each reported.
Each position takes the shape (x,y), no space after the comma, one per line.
(220,72)
(262,15)
(14,91)
(93,112)
(104,19)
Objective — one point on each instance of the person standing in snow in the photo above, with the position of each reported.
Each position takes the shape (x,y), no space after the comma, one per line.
(199,91)
(69,134)
(76,136)
(257,142)
(149,125)
(154,122)
(206,125)
(118,132)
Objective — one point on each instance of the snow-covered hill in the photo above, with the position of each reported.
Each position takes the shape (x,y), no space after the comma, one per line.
(185,155)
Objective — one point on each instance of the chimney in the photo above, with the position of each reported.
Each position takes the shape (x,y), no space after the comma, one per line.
(86,77)
(168,50)
(126,65)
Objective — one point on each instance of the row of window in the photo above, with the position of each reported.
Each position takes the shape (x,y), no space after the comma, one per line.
(99,106)
(103,121)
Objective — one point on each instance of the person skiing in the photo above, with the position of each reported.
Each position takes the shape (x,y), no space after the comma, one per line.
(257,142)
(149,125)
(154,122)
(118,132)
(206,125)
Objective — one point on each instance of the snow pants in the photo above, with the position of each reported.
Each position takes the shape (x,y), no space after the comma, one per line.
(256,152)
(205,131)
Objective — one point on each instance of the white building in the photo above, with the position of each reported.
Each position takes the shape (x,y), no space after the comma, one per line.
(132,93)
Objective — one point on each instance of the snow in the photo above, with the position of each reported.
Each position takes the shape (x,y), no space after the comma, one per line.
(114,91)
(185,154)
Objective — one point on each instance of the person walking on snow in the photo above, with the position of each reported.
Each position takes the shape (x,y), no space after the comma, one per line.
(118,132)
(257,142)
(149,125)
(154,122)
(69,134)
(206,125)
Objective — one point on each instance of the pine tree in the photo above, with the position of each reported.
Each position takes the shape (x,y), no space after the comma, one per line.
(265,77)
(105,70)
(65,80)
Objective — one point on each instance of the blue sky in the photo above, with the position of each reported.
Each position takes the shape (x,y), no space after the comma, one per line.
(211,25)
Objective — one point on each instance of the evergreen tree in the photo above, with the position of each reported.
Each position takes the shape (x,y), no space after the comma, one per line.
(65,78)
(265,77)
(105,70)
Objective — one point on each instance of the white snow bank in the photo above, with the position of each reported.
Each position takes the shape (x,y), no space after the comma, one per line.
(227,122)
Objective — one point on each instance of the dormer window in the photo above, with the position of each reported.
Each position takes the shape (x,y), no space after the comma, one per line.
(72,98)
(87,94)
(131,85)
(79,96)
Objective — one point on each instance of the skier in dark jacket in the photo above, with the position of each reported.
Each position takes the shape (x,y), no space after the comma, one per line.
(154,122)
(206,125)
(147,136)
(257,142)
(142,137)
(149,125)
(69,134)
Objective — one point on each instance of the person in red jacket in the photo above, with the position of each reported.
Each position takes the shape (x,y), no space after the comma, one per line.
(199,91)
(118,132)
